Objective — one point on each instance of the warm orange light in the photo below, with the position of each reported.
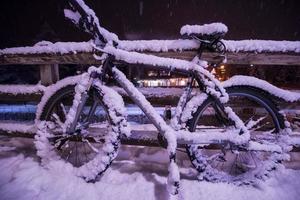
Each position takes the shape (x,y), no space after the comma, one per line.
(182,82)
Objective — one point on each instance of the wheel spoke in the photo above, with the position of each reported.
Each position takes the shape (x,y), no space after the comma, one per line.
(90,145)
(261,126)
(85,153)
(70,152)
(57,120)
(252,123)
(233,163)
(251,153)
(63,109)
(76,154)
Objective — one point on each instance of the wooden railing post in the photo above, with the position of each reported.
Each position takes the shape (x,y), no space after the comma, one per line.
(49,74)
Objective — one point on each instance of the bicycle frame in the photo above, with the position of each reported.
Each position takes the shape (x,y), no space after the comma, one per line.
(154,117)
(106,44)
(184,137)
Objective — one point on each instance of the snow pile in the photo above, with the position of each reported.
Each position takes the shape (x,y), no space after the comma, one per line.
(24,179)
(205,29)
(22,89)
(51,48)
(264,85)
(262,46)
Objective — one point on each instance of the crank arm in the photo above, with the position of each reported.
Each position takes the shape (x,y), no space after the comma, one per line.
(213,137)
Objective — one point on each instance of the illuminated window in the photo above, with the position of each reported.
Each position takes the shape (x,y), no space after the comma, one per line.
(152,73)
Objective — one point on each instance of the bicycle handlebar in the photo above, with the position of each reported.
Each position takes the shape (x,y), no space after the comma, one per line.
(88,20)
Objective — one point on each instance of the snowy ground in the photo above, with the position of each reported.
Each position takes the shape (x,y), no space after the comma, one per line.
(138,173)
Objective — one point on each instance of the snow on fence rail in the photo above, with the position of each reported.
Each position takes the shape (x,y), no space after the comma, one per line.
(261,52)
(49,55)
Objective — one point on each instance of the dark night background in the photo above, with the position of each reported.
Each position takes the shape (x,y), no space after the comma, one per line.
(25,22)
(28,21)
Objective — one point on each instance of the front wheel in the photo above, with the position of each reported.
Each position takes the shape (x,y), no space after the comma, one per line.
(228,162)
(96,139)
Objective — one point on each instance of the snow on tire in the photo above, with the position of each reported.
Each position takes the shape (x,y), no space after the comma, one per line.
(99,147)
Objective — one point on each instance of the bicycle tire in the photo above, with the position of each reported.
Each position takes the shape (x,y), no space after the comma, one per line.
(213,172)
(103,154)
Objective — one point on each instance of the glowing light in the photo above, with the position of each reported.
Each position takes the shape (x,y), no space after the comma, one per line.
(182,82)
(213,71)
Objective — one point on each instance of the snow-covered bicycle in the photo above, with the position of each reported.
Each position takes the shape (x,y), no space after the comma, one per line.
(85,124)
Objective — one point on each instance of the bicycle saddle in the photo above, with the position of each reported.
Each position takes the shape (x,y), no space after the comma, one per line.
(209,32)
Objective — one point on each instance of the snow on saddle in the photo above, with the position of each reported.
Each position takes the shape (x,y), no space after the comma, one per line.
(206,31)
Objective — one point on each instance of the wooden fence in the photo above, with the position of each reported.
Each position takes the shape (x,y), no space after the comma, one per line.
(49,62)
(49,67)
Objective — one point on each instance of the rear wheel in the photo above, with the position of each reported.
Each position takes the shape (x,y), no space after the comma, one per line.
(228,162)
(94,144)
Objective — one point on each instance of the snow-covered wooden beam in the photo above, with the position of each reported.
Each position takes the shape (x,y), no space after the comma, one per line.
(240,58)
(49,58)
(244,52)
(23,93)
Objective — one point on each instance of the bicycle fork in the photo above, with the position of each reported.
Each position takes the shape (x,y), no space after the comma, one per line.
(81,96)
